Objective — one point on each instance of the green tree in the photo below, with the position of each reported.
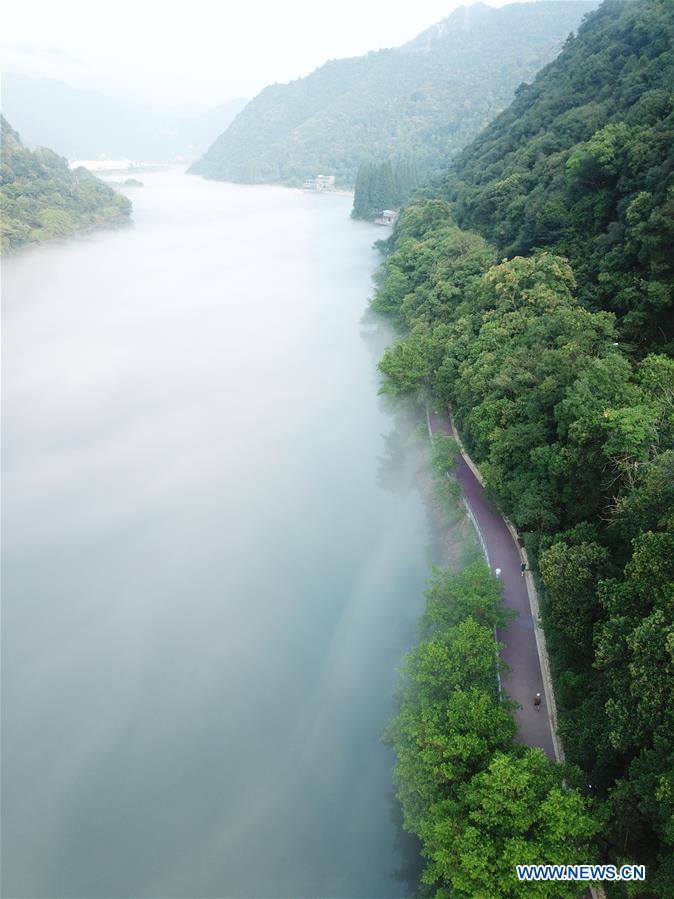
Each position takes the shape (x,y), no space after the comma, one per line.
(453,597)
(570,575)
(517,811)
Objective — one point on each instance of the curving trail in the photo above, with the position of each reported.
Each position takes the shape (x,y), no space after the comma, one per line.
(520,648)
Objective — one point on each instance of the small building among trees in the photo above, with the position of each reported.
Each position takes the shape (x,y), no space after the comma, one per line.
(388,217)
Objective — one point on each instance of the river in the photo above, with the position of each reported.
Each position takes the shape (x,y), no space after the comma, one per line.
(214,555)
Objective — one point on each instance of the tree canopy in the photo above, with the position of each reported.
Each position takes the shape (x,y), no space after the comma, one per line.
(582,163)
(383,186)
(41,198)
(480,803)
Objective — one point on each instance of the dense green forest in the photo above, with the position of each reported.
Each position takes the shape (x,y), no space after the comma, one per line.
(41,198)
(534,294)
(426,99)
(581,163)
(383,186)
(480,802)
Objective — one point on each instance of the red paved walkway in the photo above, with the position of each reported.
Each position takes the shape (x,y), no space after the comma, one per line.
(520,651)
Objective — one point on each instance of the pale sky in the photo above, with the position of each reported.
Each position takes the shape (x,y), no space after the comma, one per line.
(197,53)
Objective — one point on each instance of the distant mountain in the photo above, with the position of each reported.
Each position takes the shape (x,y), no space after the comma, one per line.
(83,124)
(41,198)
(75,123)
(426,99)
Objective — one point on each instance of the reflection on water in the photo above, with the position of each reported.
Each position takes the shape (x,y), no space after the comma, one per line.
(208,580)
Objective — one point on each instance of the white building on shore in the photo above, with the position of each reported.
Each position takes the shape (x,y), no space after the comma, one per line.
(320,183)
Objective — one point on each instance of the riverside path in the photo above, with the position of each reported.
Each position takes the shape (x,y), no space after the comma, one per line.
(520,647)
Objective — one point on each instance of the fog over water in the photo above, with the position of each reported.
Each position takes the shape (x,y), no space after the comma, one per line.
(210,573)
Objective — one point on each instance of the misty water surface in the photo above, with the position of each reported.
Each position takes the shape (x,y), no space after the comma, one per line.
(212,561)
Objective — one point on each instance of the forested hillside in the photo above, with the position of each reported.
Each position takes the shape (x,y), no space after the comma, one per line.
(548,328)
(426,99)
(582,163)
(40,197)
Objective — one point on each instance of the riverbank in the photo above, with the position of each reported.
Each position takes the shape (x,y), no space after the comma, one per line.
(475,773)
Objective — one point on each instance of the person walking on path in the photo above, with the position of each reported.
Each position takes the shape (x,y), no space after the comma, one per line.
(537,702)
(523,568)
(497,572)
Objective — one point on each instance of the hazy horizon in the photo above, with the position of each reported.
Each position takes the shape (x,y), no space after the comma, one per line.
(193,67)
